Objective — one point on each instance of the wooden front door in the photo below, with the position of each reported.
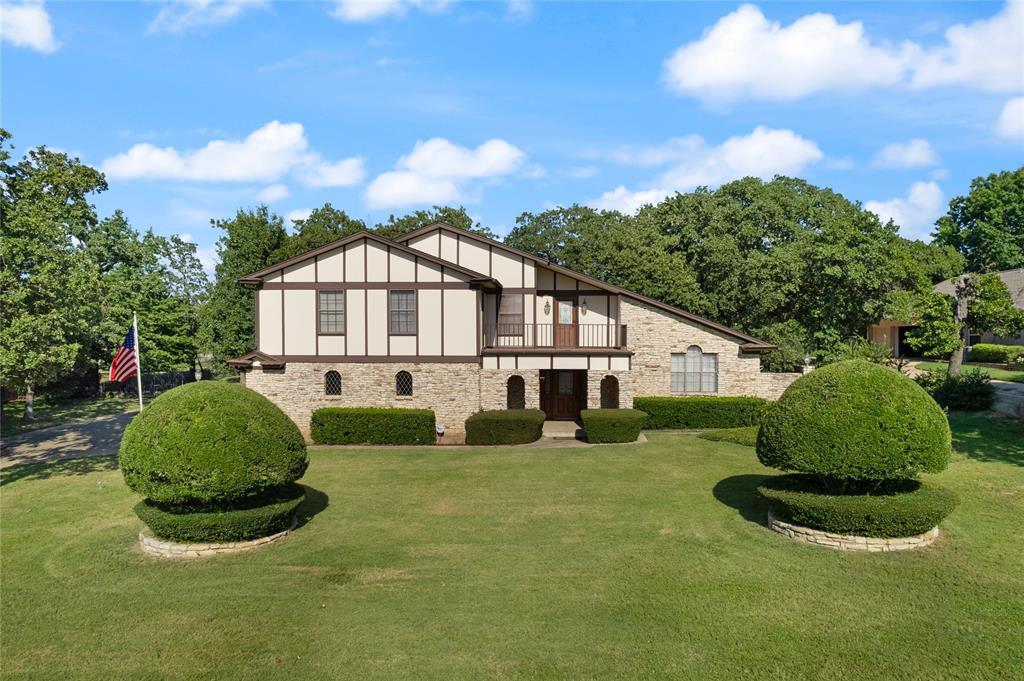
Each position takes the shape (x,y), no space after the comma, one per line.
(561,393)
(565,323)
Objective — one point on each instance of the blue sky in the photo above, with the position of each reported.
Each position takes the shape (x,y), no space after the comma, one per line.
(194,109)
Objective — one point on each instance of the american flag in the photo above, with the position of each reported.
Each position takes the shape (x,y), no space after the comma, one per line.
(125,362)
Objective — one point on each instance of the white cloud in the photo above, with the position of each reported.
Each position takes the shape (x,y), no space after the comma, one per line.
(746,56)
(763,153)
(987,54)
(915,153)
(27,24)
(182,16)
(438,170)
(582,172)
(357,11)
(298,214)
(265,155)
(518,10)
(1011,121)
(343,173)
(916,213)
(274,192)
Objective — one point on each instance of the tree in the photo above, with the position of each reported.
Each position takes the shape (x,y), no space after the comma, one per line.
(324,225)
(187,281)
(987,225)
(981,302)
(48,284)
(249,242)
(456,217)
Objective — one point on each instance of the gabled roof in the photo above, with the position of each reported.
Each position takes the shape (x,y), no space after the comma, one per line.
(474,277)
(1014,280)
(266,361)
(750,343)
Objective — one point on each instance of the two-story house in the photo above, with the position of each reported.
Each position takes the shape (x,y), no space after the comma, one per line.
(448,320)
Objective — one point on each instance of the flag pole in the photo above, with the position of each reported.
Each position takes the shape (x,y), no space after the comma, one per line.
(138,353)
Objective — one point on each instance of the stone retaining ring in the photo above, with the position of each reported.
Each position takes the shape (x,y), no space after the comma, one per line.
(849,542)
(170,549)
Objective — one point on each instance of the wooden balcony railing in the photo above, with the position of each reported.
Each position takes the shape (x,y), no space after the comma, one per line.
(554,336)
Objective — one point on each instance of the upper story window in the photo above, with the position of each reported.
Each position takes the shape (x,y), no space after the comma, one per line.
(403,384)
(694,371)
(402,313)
(331,312)
(510,314)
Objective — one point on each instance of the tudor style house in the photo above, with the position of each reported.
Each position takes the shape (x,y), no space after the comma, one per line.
(448,320)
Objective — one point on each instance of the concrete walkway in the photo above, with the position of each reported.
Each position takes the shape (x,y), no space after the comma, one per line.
(97,437)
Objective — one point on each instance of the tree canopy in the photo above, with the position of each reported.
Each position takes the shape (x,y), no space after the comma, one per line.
(987,225)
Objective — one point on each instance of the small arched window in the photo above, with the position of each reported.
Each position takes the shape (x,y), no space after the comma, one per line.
(516,393)
(609,392)
(332,383)
(403,384)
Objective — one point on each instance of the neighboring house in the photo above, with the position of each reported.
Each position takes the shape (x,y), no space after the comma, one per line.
(892,333)
(448,320)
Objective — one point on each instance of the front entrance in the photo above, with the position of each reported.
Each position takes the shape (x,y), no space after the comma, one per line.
(563,393)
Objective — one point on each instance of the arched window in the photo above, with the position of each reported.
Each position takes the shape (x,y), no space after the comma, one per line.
(695,371)
(516,395)
(609,392)
(403,384)
(332,383)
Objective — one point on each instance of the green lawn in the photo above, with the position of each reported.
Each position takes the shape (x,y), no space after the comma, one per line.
(56,413)
(996,374)
(612,562)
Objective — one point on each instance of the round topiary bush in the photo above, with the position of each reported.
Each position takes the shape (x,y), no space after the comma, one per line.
(895,508)
(210,442)
(855,420)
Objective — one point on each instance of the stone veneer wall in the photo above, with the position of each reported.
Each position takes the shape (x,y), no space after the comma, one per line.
(849,542)
(494,387)
(594,379)
(654,335)
(451,390)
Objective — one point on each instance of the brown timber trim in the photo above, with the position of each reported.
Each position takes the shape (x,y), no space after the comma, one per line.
(257,299)
(341,285)
(479,318)
(283,324)
(379,359)
(561,352)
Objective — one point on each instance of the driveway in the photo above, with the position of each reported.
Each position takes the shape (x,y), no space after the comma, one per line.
(1009,398)
(98,437)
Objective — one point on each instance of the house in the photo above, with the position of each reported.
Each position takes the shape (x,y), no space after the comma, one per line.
(892,333)
(446,319)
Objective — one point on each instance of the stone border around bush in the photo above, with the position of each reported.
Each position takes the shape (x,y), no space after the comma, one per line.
(170,549)
(849,542)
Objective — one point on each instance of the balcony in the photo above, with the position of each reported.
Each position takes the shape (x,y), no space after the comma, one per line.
(554,336)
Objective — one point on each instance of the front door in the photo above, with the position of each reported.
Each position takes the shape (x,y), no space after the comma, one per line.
(561,393)
(565,323)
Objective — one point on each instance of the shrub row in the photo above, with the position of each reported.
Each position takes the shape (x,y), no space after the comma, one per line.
(612,425)
(747,435)
(259,516)
(701,412)
(970,390)
(373,426)
(504,427)
(995,354)
(895,509)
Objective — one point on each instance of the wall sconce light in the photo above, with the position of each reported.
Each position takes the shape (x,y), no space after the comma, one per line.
(583,308)
(547,307)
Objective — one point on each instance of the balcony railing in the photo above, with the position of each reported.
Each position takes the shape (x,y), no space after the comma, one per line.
(554,336)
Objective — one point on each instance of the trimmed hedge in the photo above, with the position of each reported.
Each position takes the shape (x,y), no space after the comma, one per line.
(701,412)
(612,425)
(855,420)
(747,435)
(210,442)
(504,427)
(995,354)
(899,508)
(256,517)
(373,426)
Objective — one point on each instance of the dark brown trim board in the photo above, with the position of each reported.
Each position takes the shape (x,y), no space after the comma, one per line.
(340,285)
(379,359)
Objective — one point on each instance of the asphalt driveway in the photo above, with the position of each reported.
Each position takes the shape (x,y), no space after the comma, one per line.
(98,437)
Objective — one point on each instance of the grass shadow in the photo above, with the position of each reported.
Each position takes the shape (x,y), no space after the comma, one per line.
(42,471)
(314,502)
(740,492)
(986,437)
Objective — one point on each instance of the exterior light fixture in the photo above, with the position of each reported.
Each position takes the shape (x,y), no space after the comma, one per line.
(583,308)
(547,307)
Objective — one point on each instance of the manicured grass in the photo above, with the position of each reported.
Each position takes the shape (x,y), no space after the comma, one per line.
(613,562)
(746,435)
(995,374)
(55,413)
